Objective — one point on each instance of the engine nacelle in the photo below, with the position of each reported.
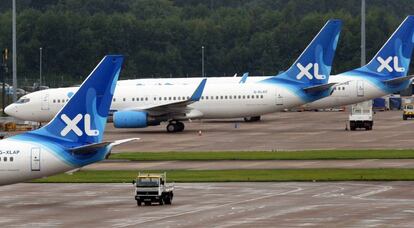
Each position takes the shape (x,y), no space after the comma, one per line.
(132,119)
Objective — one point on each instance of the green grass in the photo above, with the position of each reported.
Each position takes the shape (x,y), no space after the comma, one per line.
(109,176)
(266,155)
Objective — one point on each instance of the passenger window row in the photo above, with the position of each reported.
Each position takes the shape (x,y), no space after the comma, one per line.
(179,98)
(230,97)
(5,159)
(60,100)
(339,88)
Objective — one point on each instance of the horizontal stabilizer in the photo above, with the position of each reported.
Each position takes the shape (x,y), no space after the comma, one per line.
(122,141)
(318,88)
(91,148)
(398,80)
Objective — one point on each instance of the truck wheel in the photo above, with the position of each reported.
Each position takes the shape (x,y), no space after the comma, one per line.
(404,117)
(161,201)
(138,203)
(168,199)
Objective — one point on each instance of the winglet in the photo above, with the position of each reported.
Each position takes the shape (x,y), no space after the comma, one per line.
(199,91)
(244,78)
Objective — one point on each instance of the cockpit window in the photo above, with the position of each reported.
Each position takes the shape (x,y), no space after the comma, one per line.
(23,100)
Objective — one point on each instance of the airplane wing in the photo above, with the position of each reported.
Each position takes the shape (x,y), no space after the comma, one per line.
(244,78)
(399,79)
(176,107)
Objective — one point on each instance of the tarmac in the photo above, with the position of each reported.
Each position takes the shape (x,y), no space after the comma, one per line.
(279,131)
(289,204)
(267,164)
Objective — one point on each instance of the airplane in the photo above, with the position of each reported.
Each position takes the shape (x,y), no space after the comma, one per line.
(72,139)
(305,81)
(386,73)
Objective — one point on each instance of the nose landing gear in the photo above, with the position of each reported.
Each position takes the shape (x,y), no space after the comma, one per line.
(175,126)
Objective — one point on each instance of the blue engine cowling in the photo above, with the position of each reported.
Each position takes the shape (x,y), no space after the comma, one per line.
(130,119)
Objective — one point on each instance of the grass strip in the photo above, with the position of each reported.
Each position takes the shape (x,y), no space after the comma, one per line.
(266,155)
(275,175)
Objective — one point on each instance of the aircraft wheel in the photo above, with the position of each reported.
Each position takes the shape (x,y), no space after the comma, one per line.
(180,126)
(171,127)
(256,118)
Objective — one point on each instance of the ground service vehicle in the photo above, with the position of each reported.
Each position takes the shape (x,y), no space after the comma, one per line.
(408,111)
(151,188)
(361,116)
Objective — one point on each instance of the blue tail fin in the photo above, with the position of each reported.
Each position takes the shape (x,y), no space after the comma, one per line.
(82,120)
(314,64)
(393,59)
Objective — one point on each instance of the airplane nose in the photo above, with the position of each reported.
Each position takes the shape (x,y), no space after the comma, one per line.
(10,109)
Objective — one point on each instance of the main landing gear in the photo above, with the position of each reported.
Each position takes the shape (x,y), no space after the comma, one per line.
(252,119)
(175,126)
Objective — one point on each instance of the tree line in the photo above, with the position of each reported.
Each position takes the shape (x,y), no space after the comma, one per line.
(163,38)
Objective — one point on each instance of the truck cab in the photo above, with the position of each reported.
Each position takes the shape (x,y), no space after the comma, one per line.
(408,111)
(151,188)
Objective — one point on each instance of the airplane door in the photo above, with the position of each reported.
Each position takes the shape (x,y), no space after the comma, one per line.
(360,88)
(35,159)
(45,101)
(279,99)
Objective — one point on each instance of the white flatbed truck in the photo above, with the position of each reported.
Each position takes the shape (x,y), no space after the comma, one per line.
(361,116)
(153,188)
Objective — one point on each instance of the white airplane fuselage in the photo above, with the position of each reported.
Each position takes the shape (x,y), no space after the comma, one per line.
(24,160)
(43,105)
(350,89)
(217,101)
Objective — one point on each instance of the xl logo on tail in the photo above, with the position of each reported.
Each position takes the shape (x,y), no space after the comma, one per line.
(304,71)
(72,125)
(385,64)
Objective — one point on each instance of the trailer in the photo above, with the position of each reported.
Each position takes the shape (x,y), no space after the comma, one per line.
(153,188)
(361,116)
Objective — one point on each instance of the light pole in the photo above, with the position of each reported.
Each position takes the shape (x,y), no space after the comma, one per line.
(14,51)
(40,67)
(363,33)
(202,61)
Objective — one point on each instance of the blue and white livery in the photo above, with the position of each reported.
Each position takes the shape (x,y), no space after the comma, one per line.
(386,73)
(72,139)
(137,106)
